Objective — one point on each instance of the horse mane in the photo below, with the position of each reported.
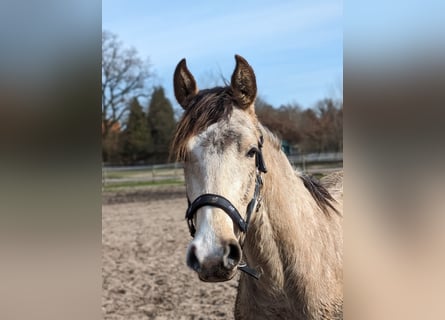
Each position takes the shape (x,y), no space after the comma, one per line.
(203,109)
(318,191)
(270,137)
(320,194)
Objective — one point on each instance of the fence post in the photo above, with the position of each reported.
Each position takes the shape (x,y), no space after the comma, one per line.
(175,172)
(304,163)
(103,177)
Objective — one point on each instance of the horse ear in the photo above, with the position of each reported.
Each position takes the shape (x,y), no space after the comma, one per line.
(184,84)
(243,83)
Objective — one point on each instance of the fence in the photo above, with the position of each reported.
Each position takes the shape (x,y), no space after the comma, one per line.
(317,162)
(173,172)
(142,175)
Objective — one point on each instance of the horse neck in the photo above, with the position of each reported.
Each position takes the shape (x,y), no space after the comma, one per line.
(296,245)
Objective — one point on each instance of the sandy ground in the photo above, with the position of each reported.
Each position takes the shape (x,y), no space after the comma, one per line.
(144,239)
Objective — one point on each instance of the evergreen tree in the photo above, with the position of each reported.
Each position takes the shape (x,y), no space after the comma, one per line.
(136,139)
(161,124)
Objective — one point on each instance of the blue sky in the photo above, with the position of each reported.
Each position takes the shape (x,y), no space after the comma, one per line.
(294,47)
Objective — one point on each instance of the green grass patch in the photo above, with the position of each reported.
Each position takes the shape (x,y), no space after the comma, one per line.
(137,184)
(128,174)
(318,176)
(115,176)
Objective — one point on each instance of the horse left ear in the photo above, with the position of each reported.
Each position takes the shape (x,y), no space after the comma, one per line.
(243,83)
(184,84)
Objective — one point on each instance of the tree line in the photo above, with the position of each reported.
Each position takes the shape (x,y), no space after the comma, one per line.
(312,130)
(137,134)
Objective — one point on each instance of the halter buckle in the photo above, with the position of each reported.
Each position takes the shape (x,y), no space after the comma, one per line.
(251,272)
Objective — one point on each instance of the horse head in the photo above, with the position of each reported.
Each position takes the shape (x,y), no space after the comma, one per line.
(219,140)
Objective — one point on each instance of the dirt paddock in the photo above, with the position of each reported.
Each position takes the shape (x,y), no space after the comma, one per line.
(144,275)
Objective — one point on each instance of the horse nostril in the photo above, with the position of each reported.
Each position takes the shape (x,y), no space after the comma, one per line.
(232,255)
(192,260)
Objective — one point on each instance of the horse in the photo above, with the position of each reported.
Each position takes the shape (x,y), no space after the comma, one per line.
(249,210)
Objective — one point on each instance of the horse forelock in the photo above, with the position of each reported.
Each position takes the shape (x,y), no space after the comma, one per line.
(204,109)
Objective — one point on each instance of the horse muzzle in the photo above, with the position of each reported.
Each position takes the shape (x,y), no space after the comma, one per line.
(217,265)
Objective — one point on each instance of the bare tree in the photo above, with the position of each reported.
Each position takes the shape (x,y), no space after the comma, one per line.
(124,77)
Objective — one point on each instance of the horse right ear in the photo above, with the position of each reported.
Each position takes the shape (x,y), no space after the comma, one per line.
(184,84)
(243,83)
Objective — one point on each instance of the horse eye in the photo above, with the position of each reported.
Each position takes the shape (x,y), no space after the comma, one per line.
(252,152)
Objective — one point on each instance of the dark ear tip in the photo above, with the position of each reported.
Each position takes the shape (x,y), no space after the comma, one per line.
(181,64)
(239,59)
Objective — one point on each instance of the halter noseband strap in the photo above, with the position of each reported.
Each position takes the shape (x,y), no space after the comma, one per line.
(214,200)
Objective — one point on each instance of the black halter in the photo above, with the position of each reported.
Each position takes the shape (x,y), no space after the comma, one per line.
(214,200)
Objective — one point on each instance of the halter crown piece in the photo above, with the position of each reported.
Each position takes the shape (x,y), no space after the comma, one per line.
(214,200)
